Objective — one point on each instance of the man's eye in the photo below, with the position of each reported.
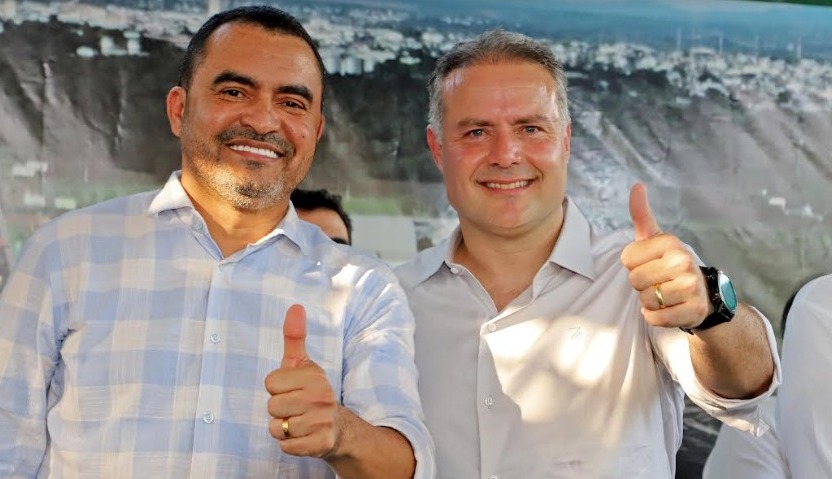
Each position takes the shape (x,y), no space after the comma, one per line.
(232,92)
(294,104)
(531,129)
(476,133)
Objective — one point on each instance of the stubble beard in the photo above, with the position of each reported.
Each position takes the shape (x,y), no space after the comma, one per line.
(243,193)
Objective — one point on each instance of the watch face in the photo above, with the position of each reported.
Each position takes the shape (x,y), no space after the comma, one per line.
(726,291)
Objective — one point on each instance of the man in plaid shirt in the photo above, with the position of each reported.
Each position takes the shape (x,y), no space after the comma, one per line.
(136,335)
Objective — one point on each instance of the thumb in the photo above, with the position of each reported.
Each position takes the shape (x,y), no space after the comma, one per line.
(644,222)
(294,337)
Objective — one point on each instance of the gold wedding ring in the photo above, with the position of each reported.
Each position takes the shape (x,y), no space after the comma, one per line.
(659,298)
(286,427)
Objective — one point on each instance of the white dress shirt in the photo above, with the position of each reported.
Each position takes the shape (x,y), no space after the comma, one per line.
(566,381)
(804,404)
(739,455)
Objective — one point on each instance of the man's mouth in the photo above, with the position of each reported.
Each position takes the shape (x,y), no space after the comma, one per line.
(257,151)
(506,186)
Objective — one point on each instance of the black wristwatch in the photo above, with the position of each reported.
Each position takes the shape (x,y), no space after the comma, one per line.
(723,298)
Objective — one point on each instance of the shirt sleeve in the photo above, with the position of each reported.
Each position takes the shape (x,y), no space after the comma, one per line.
(804,415)
(28,355)
(380,377)
(672,347)
(739,455)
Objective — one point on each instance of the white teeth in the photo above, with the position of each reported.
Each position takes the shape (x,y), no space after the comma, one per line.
(507,186)
(257,151)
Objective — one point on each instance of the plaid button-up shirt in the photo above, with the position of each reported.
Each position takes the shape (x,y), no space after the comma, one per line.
(129,347)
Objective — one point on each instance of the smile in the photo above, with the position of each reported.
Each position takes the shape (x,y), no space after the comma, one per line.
(507,186)
(256,151)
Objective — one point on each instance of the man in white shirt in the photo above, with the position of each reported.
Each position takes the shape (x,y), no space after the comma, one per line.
(803,413)
(738,455)
(799,443)
(546,349)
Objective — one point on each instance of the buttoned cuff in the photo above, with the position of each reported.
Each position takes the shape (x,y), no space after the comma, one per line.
(421,442)
(743,414)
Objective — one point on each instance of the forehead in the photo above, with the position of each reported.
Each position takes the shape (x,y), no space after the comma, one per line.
(487,83)
(251,49)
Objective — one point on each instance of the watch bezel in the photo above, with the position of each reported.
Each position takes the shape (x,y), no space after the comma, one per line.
(722,313)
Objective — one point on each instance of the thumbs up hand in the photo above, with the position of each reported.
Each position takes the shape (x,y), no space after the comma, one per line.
(305,412)
(664,273)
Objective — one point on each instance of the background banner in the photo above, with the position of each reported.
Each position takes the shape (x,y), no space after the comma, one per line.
(723,109)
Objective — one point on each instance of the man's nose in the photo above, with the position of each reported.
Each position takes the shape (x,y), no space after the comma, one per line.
(261,115)
(506,149)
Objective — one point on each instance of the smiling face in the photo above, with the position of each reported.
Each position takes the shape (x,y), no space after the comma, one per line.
(502,149)
(250,120)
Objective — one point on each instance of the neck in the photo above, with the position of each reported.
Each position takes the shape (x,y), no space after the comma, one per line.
(490,256)
(230,227)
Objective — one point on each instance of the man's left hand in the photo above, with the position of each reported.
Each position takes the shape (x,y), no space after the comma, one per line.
(302,402)
(666,275)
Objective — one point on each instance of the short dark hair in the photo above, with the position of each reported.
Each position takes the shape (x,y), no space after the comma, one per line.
(269,18)
(309,200)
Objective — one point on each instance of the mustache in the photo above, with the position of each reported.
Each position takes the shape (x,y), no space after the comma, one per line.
(284,146)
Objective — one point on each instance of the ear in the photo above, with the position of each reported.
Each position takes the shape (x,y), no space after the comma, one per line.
(567,141)
(435,145)
(321,128)
(175,103)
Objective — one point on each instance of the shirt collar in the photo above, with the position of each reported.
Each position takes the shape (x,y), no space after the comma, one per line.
(173,197)
(573,250)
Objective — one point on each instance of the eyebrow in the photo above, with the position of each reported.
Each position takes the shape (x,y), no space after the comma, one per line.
(468,122)
(229,76)
(299,90)
(540,118)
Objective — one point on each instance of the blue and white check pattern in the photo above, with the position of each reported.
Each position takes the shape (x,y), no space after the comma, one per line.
(130,348)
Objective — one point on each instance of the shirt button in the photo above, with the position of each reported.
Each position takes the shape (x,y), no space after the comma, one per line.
(491,327)
(207,418)
(489,402)
(215,338)
(495,477)
(454,270)
(198,226)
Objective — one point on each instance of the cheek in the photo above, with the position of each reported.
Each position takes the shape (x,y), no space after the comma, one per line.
(302,135)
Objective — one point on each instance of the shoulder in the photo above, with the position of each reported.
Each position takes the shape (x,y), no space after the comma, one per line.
(116,210)
(101,219)
(810,315)
(422,266)
(606,246)
(817,292)
(68,238)
(343,262)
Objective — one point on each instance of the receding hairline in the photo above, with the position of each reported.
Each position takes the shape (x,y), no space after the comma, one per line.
(246,22)
(498,60)
(501,60)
